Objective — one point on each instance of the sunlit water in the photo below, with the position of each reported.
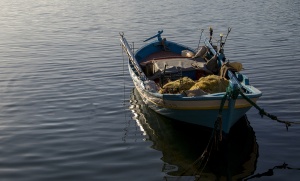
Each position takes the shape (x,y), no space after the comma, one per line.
(67,110)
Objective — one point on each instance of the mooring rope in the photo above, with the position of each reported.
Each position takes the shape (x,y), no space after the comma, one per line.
(124,87)
(201,162)
(270,172)
(232,94)
(262,112)
(213,142)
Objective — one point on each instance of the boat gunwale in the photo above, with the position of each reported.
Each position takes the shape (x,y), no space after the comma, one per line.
(154,43)
(255,93)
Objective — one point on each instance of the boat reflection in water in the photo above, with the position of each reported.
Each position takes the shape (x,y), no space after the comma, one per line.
(182,145)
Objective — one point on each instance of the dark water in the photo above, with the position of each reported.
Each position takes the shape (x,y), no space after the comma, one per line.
(68,112)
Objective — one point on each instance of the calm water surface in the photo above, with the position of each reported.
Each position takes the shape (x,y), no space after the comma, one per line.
(68,110)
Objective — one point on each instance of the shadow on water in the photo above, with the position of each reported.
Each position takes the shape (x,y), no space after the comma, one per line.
(183,144)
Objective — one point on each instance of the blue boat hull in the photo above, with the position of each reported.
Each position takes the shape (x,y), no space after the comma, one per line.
(203,116)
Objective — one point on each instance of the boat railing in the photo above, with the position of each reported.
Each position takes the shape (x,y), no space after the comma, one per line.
(131,56)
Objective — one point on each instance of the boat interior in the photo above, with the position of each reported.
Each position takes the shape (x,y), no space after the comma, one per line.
(170,66)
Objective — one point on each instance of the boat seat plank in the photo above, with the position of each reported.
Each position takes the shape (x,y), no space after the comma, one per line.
(155,68)
(160,55)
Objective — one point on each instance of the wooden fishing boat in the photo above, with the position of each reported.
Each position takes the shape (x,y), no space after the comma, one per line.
(167,76)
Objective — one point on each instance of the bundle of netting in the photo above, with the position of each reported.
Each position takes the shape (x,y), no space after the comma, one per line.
(211,84)
(177,86)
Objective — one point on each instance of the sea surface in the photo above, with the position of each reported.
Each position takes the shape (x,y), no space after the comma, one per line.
(68,109)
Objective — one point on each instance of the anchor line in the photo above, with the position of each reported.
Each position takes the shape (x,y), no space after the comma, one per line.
(270,172)
(213,142)
(201,162)
(124,102)
(262,112)
(217,131)
(124,89)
